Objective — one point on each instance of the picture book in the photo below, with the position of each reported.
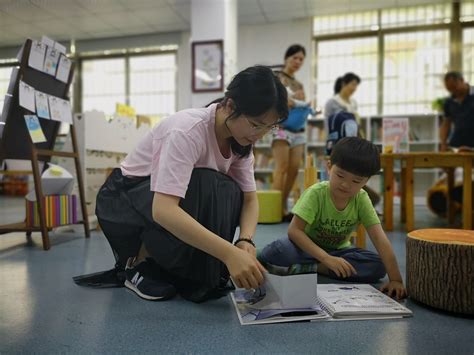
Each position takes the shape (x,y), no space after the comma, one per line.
(358,301)
(334,302)
(244,302)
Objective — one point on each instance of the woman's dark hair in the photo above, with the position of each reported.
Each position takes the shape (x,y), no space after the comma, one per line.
(293,49)
(344,80)
(357,156)
(255,91)
(455,75)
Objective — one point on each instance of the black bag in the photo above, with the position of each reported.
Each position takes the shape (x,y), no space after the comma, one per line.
(340,125)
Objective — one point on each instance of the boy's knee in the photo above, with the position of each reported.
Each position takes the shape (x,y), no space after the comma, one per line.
(379,270)
(375,272)
(276,253)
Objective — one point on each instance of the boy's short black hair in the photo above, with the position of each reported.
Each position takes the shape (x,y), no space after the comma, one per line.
(357,156)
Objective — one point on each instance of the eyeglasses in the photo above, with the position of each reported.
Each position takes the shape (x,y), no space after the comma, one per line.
(261,128)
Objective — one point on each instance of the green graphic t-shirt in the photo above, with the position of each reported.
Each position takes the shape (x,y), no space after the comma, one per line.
(328,227)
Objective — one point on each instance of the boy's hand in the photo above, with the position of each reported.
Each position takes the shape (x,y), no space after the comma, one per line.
(394,289)
(341,267)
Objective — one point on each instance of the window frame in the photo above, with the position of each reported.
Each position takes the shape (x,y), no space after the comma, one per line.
(455,29)
(125,54)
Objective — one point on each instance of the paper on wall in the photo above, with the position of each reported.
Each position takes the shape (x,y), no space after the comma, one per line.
(34,128)
(60,110)
(51,60)
(42,109)
(27,96)
(59,47)
(48,41)
(37,54)
(54,181)
(64,67)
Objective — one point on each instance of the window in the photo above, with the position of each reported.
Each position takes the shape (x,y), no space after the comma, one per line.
(468,55)
(336,57)
(467,11)
(414,65)
(361,21)
(153,84)
(103,84)
(149,85)
(416,15)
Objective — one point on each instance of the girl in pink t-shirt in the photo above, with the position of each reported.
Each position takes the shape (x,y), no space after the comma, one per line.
(170,212)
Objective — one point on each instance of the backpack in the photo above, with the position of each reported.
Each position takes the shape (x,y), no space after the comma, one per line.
(340,125)
(297,117)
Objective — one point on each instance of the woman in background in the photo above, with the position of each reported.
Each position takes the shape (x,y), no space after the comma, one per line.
(344,87)
(289,140)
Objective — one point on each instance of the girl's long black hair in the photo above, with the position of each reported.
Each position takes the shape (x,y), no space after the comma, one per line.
(254,91)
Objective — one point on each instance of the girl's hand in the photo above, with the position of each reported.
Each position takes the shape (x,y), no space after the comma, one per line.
(394,289)
(341,267)
(244,269)
(249,248)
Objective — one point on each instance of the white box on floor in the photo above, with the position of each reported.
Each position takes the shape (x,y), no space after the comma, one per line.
(289,291)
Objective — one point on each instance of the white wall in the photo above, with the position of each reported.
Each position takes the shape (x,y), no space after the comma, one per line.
(266,44)
(257,44)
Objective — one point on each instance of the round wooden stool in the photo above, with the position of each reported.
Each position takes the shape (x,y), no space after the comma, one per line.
(270,209)
(440,268)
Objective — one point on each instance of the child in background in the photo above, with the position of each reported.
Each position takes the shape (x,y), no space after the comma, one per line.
(326,214)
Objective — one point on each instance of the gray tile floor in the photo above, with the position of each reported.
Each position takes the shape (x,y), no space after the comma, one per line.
(43,311)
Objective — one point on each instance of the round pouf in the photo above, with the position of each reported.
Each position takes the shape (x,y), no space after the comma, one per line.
(440,268)
(270,209)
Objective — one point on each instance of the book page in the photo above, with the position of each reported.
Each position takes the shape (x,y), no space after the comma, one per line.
(357,299)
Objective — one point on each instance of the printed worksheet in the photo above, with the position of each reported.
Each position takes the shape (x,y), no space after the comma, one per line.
(27,96)
(37,53)
(42,109)
(60,110)
(51,61)
(64,68)
(34,128)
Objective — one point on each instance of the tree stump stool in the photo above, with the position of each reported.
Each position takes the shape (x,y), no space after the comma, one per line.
(440,268)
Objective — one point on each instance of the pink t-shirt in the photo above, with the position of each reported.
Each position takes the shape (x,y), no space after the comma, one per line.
(180,143)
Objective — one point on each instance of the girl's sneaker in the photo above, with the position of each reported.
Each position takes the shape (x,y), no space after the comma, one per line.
(142,280)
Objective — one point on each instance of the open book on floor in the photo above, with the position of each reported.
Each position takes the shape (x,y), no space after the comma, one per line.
(282,298)
(333,302)
(358,301)
(245,303)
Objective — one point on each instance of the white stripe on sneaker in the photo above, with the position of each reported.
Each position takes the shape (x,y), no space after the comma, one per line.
(134,288)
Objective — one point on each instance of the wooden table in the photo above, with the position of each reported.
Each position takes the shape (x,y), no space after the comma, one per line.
(412,160)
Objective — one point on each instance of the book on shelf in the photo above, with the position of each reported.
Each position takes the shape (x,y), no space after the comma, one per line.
(358,302)
(334,302)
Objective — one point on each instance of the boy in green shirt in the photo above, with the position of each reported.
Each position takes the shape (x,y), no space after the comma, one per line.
(327,213)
